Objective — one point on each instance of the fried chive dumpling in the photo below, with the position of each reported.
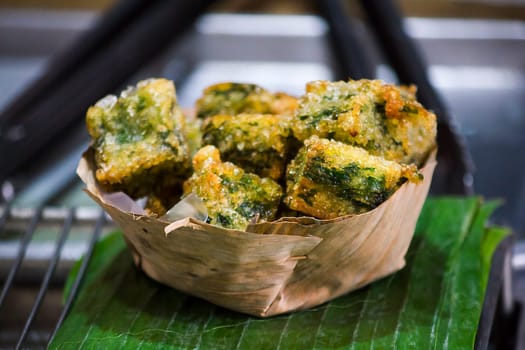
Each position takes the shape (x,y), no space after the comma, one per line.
(139,144)
(386,120)
(233,197)
(258,143)
(237,98)
(328,179)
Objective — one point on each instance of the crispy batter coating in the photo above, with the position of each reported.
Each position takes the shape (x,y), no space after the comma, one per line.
(328,179)
(139,145)
(236,98)
(233,197)
(386,120)
(258,143)
(193,133)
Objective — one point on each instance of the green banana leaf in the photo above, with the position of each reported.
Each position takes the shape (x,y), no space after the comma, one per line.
(434,302)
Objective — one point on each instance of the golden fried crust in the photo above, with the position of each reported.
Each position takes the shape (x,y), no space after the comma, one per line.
(193,133)
(384,119)
(284,104)
(138,140)
(328,179)
(236,98)
(233,198)
(259,143)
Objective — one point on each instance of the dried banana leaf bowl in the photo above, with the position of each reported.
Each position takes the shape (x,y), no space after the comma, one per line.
(273,267)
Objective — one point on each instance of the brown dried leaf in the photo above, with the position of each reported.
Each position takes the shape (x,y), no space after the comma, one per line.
(275,267)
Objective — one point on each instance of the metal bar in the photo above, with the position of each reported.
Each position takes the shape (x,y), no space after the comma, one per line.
(5,214)
(81,272)
(108,68)
(410,67)
(52,180)
(349,51)
(47,278)
(520,342)
(494,292)
(82,214)
(21,253)
(115,20)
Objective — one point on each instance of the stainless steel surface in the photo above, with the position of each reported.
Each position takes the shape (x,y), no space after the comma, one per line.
(476,64)
(43,244)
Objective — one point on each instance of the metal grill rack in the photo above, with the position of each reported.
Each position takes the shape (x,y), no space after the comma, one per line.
(32,279)
(48,274)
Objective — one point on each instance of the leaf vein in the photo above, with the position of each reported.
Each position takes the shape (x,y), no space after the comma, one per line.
(212,312)
(361,314)
(319,326)
(242,333)
(465,228)
(116,285)
(283,331)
